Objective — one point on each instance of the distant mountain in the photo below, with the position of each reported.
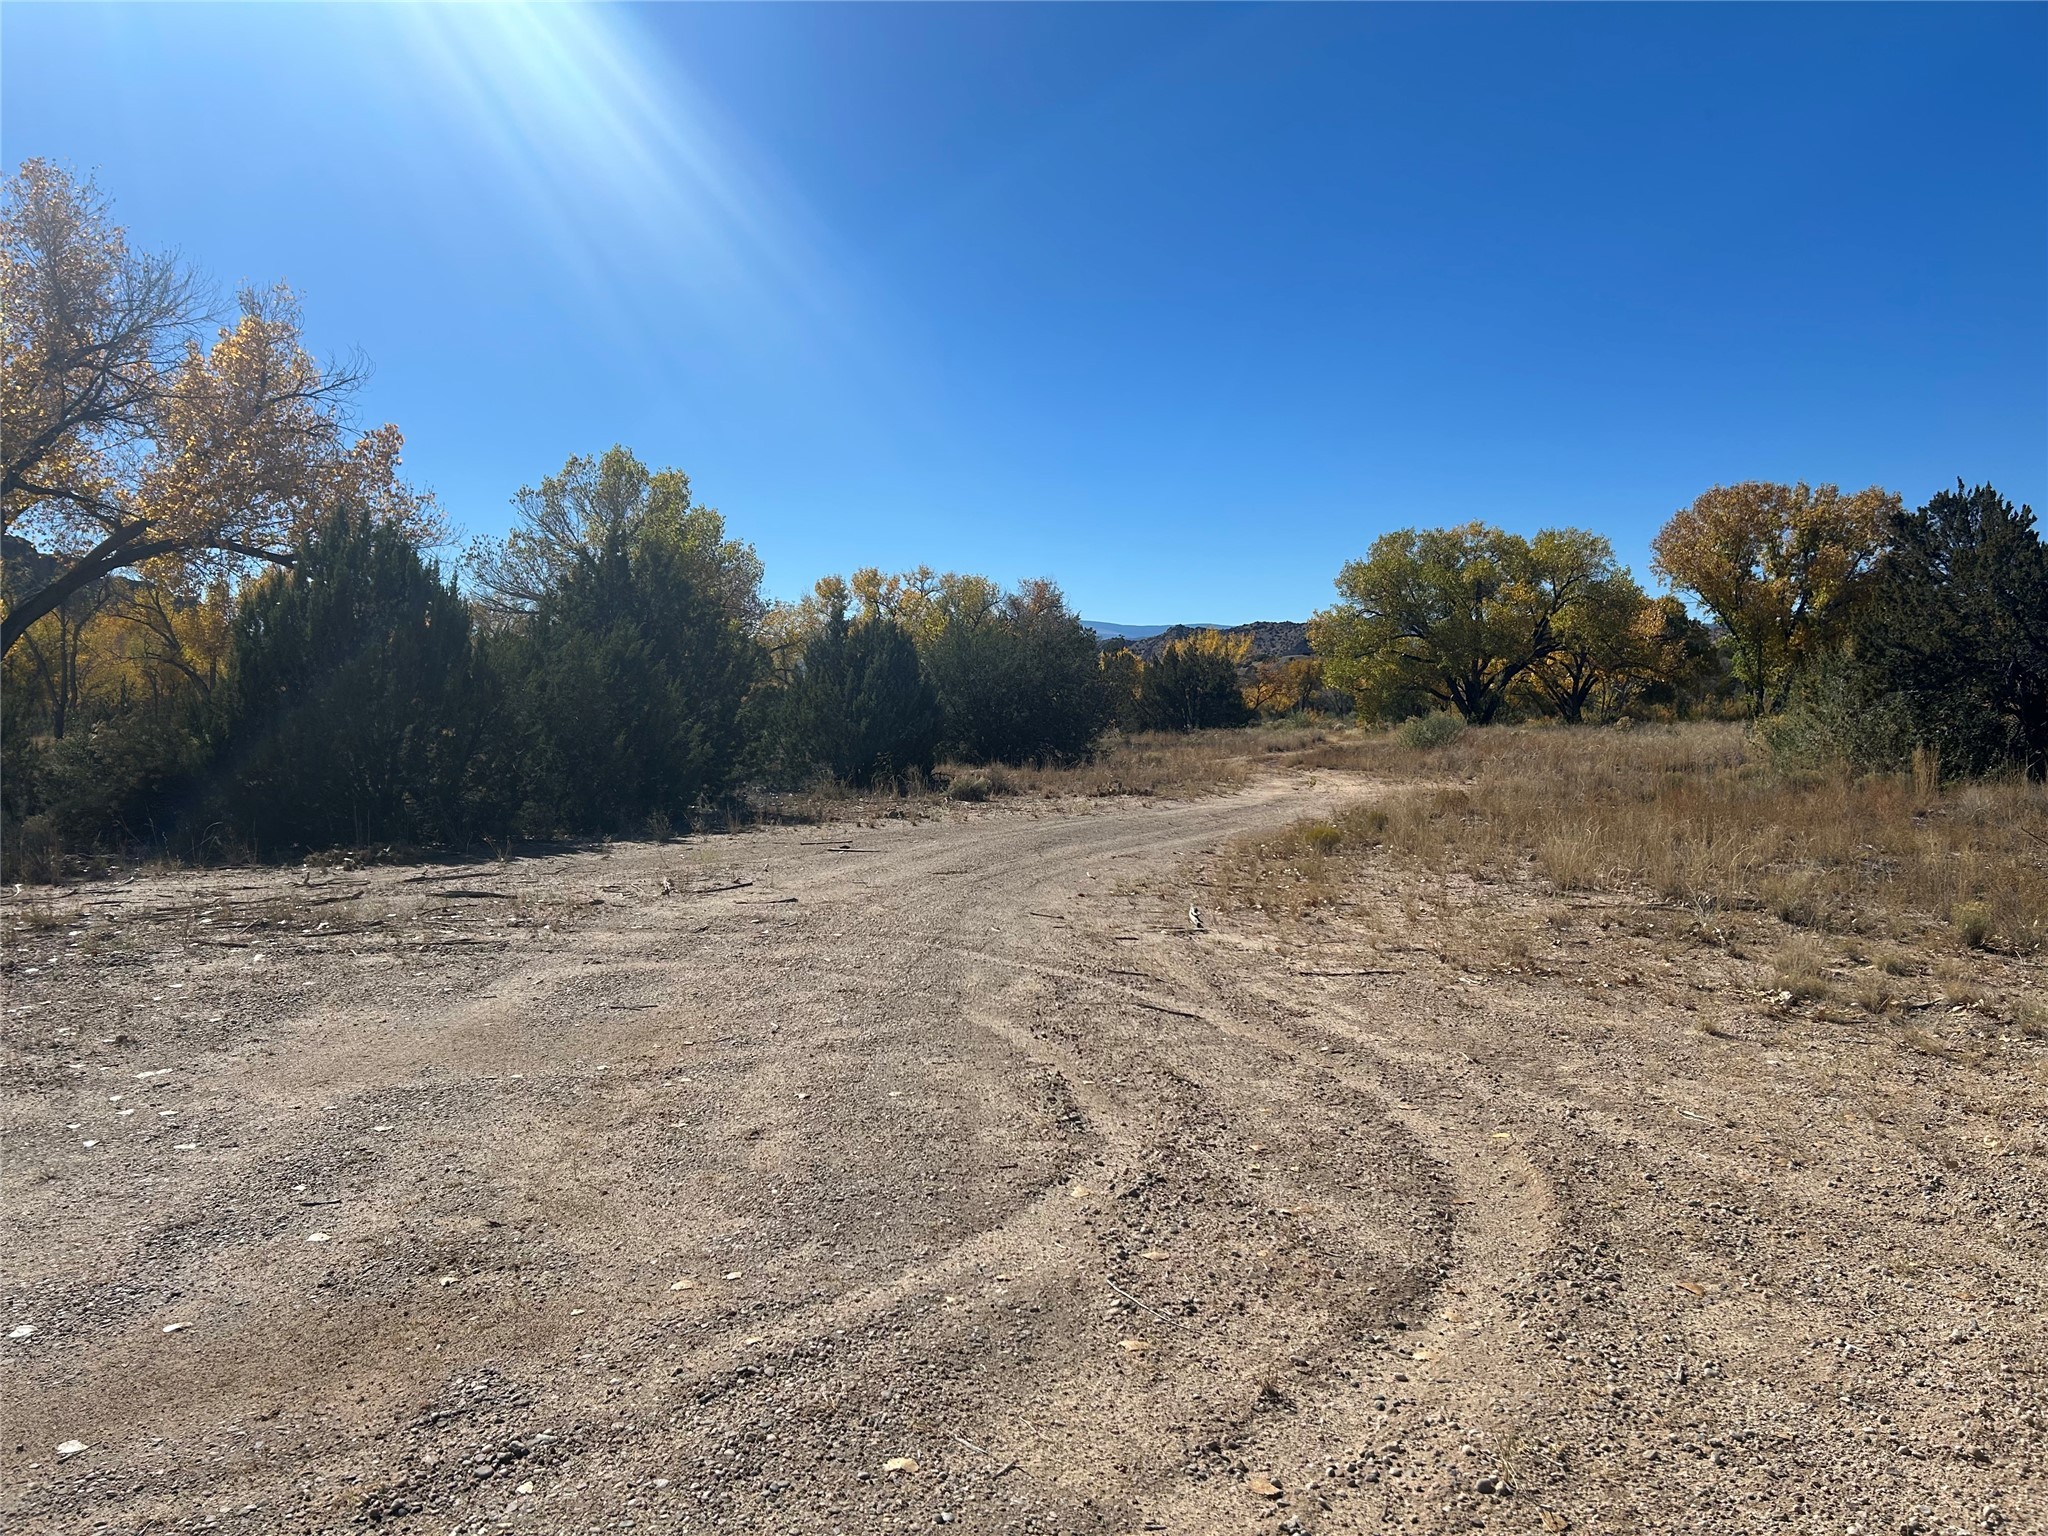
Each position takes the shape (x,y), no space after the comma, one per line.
(1272,639)
(1107,631)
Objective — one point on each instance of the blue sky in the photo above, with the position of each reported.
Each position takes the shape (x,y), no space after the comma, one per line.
(1179,305)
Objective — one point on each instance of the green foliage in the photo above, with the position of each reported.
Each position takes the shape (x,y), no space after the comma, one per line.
(1783,567)
(857,705)
(1955,634)
(1453,617)
(1426,732)
(353,714)
(625,688)
(1019,681)
(1831,716)
(1190,688)
(610,502)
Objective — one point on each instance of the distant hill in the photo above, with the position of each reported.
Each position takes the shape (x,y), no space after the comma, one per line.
(1104,630)
(1272,639)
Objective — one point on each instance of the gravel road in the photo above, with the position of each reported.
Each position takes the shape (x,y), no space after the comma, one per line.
(941,1172)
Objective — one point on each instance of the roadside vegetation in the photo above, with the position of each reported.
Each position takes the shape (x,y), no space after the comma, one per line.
(1881,893)
(229,635)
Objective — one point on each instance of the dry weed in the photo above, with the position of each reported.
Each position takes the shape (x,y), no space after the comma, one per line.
(1178,765)
(1694,815)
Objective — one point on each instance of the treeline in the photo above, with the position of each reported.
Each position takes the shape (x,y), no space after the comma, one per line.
(611,667)
(1848,625)
(224,633)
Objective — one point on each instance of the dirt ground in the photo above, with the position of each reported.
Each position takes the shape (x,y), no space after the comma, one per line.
(939,1171)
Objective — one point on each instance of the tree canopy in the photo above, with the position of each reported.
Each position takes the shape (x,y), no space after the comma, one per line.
(1781,566)
(131,441)
(610,502)
(1453,617)
(1956,630)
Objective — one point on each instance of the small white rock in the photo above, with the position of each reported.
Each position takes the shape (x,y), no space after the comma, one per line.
(70,1448)
(316,1237)
(21,1332)
(176,1327)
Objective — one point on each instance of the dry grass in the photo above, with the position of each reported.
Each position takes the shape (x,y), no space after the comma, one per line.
(1698,818)
(1169,764)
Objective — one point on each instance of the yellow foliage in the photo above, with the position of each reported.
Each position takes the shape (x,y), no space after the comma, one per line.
(126,440)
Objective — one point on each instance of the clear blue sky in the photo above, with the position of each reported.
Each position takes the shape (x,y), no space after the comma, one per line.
(1178,305)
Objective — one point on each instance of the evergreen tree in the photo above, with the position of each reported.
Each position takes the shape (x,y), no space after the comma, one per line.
(1957,630)
(1020,682)
(627,683)
(858,705)
(1190,687)
(351,715)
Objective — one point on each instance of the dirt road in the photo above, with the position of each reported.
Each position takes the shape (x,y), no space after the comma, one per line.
(941,1172)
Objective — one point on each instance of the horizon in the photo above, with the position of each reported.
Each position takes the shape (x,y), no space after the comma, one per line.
(1179,308)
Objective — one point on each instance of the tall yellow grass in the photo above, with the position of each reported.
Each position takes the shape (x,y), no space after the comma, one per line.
(1698,815)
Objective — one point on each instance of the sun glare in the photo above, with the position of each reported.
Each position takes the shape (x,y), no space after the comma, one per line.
(632,172)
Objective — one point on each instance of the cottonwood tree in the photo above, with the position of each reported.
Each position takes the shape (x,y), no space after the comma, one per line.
(131,441)
(1453,616)
(1781,566)
(610,502)
(1283,686)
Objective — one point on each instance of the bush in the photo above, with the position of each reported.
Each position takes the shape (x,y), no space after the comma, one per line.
(973,788)
(1954,642)
(858,706)
(352,714)
(625,691)
(1972,920)
(1020,683)
(127,779)
(1427,732)
(1322,837)
(1832,718)
(1187,688)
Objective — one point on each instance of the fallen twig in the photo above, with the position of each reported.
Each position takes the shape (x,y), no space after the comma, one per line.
(765,901)
(1181,1013)
(1147,1306)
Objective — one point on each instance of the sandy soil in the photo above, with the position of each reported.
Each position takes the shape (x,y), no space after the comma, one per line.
(939,1172)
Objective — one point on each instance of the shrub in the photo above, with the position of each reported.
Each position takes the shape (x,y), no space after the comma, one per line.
(1019,683)
(352,714)
(625,689)
(1832,718)
(1322,837)
(857,705)
(970,787)
(1190,687)
(1427,732)
(1954,642)
(1972,920)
